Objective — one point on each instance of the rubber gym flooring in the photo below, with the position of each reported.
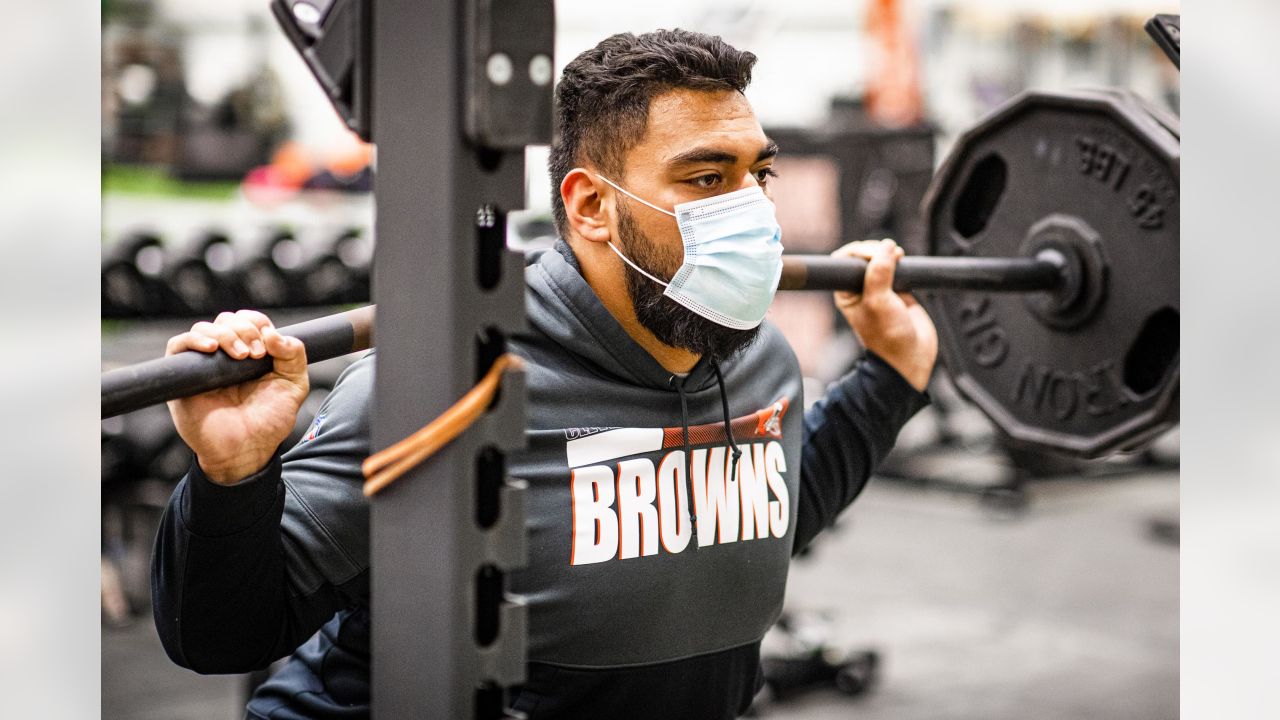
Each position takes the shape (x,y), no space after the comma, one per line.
(1063,610)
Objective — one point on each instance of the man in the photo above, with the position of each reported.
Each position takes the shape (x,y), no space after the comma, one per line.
(671,473)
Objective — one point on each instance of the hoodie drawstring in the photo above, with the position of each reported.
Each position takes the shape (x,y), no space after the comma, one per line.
(688,476)
(688,453)
(728,428)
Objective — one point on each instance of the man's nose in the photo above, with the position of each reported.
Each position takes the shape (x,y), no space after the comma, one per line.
(751,180)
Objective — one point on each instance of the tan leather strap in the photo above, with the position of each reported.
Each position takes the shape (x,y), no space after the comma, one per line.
(383,468)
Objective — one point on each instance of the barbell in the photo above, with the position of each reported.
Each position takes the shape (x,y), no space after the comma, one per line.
(189,373)
(1052,276)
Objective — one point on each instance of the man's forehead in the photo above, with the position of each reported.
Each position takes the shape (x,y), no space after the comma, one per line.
(683,119)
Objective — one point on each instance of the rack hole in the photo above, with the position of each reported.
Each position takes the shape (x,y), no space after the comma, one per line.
(488,158)
(491,468)
(979,196)
(490,344)
(1153,352)
(490,702)
(491,238)
(488,601)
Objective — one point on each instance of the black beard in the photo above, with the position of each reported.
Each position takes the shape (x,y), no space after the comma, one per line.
(672,323)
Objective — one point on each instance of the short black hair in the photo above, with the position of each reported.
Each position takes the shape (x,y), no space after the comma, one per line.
(602,99)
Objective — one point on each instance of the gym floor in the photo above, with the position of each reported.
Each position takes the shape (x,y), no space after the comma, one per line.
(1064,609)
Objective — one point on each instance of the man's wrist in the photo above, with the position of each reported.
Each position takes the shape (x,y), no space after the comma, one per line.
(213,509)
(916,374)
(233,471)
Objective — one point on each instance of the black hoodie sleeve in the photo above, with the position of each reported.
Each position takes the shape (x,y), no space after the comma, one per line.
(242,574)
(846,435)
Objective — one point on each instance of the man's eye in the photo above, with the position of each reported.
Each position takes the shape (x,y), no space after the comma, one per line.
(706,182)
(763,174)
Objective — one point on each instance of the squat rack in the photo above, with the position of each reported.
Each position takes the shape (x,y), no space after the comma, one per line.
(451,92)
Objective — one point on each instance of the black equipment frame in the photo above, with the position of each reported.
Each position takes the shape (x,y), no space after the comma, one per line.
(450,129)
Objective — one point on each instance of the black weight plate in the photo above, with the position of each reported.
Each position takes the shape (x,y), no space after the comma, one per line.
(1096,172)
(1163,116)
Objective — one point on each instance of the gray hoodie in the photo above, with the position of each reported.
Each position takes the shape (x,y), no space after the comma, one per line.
(662,514)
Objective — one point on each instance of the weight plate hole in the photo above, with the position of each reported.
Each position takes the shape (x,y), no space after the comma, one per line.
(1153,352)
(980,196)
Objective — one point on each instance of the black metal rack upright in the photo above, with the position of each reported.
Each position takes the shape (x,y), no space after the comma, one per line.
(459,87)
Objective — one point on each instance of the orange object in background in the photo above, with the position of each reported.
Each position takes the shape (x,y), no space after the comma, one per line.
(274,183)
(893,83)
(294,167)
(291,164)
(351,160)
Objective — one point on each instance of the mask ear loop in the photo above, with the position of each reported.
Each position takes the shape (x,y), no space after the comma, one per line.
(634,266)
(633,197)
(615,249)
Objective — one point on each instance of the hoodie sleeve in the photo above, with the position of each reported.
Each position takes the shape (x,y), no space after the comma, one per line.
(242,574)
(846,435)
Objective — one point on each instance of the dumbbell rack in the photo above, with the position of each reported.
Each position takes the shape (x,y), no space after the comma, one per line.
(167,258)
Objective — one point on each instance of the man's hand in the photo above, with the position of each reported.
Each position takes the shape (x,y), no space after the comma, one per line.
(235,431)
(891,325)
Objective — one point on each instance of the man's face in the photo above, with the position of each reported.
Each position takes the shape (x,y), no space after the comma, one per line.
(697,145)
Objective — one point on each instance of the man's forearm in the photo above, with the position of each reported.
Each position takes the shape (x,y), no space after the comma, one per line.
(218,579)
(847,434)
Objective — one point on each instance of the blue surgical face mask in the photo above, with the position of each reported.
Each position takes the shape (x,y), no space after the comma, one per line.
(732,256)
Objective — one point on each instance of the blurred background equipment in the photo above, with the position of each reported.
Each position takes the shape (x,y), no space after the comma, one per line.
(201,275)
(805,661)
(267,268)
(132,285)
(272,275)
(151,116)
(1166,30)
(338,271)
(332,37)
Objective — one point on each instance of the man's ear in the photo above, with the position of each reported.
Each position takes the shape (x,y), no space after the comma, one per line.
(584,206)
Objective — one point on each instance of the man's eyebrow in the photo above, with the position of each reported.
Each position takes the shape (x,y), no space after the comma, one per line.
(703,155)
(713,155)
